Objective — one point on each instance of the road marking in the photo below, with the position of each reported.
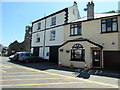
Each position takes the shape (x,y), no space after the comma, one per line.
(3,71)
(28,79)
(23,75)
(41,84)
(90,81)
(6,66)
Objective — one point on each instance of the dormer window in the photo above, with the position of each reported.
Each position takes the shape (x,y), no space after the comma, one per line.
(53,21)
(39,26)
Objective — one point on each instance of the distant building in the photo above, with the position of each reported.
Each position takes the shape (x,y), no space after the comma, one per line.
(23,46)
(1,48)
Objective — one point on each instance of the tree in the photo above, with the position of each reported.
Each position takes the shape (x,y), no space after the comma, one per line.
(112,11)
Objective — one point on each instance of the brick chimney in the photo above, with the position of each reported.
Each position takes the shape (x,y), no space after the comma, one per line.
(90,10)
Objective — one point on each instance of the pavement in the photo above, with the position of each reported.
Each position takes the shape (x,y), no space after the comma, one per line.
(48,75)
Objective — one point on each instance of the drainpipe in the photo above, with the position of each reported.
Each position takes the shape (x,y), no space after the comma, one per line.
(44,40)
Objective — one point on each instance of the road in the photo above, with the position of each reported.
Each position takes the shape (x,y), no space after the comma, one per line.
(47,75)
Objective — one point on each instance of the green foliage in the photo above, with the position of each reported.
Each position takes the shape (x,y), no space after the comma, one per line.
(112,11)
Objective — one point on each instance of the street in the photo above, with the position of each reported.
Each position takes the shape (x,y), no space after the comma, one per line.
(44,75)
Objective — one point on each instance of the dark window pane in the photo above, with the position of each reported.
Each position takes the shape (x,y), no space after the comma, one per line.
(114,26)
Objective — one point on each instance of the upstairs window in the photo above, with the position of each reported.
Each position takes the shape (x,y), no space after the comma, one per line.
(37,38)
(75,29)
(52,35)
(53,21)
(39,26)
(77,53)
(109,25)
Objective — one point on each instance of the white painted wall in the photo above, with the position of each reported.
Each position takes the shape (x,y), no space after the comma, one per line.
(35,26)
(59,38)
(73,13)
(41,52)
(60,18)
(34,39)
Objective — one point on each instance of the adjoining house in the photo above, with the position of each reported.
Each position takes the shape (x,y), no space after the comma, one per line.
(23,46)
(48,32)
(92,41)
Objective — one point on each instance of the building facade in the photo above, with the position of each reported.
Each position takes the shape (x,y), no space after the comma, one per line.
(48,32)
(92,41)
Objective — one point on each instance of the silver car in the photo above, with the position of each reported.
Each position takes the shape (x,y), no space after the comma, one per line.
(28,57)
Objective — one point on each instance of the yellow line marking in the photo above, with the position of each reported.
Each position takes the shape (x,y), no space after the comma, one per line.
(6,66)
(90,81)
(23,75)
(28,79)
(42,84)
(3,71)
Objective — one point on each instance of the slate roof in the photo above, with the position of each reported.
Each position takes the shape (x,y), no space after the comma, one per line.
(83,39)
(97,16)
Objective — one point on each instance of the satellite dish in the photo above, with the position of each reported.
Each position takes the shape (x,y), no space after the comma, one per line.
(85,9)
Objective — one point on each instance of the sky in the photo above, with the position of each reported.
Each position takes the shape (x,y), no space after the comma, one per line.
(15,16)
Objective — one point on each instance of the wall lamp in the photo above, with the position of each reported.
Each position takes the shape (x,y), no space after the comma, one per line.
(61,50)
(67,51)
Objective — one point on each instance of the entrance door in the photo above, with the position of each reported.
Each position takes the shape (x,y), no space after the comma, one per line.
(96,58)
(54,54)
(36,51)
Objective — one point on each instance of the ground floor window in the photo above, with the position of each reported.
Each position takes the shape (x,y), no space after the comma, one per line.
(77,53)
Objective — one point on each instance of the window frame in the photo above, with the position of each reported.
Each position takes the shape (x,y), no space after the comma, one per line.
(75,27)
(39,26)
(53,21)
(37,38)
(111,25)
(82,50)
(51,37)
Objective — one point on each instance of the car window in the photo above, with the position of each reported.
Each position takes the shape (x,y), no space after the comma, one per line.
(16,54)
(21,54)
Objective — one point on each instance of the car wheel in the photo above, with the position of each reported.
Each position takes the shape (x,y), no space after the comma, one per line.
(27,61)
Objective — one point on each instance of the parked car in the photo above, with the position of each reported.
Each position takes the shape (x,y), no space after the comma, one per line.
(28,57)
(15,56)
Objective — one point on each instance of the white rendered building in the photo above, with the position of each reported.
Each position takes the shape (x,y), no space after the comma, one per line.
(48,32)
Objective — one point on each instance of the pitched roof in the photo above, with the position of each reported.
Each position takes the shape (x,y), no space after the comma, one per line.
(97,16)
(83,39)
(65,9)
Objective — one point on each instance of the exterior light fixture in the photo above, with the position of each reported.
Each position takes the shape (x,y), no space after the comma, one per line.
(67,51)
(61,50)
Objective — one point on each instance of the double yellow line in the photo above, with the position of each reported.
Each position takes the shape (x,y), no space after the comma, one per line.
(89,81)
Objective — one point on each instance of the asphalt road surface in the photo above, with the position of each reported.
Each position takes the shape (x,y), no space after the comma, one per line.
(48,75)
